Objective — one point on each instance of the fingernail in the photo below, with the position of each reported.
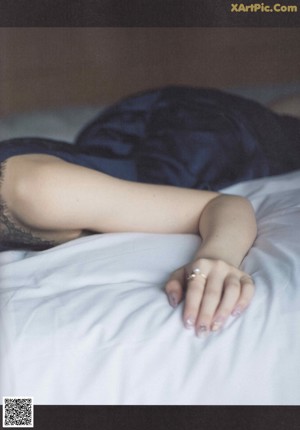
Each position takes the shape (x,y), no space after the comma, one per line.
(173,300)
(202,331)
(217,324)
(237,311)
(190,322)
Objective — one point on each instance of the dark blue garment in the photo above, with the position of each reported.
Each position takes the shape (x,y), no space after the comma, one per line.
(121,167)
(188,137)
(197,138)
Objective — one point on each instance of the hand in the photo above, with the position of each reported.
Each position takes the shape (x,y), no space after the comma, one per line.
(212,294)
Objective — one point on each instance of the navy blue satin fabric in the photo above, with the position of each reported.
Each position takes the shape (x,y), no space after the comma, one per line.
(196,138)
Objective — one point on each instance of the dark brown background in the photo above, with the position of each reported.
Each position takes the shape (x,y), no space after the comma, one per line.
(53,67)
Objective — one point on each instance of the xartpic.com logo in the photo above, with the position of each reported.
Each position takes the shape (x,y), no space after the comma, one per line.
(264,8)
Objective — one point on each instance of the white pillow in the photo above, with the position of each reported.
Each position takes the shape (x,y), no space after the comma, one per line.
(61,124)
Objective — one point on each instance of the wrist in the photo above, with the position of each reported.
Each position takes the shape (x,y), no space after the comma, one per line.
(219,252)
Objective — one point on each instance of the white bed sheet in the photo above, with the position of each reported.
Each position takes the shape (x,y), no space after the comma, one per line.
(88,322)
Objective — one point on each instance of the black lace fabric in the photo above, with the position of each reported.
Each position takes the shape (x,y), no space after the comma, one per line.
(13,235)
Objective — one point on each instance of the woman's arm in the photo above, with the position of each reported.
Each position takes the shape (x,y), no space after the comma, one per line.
(48,195)
(228,228)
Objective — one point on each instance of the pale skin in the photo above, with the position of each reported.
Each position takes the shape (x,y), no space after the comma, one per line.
(47,199)
(58,201)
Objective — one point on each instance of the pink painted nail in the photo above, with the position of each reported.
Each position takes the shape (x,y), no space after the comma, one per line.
(173,299)
(237,311)
(202,331)
(190,322)
(217,324)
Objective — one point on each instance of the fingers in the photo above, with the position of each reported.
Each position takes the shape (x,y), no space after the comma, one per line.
(215,308)
(212,294)
(231,298)
(246,295)
(211,299)
(193,298)
(202,299)
(174,287)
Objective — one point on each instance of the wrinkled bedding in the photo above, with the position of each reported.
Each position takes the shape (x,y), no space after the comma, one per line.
(88,322)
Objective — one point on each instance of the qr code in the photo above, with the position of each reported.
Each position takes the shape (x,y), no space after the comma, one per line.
(17,412)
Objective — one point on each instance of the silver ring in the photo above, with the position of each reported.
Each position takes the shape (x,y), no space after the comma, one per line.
(194,273)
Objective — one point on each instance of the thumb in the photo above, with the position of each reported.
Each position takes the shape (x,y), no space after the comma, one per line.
(174,287)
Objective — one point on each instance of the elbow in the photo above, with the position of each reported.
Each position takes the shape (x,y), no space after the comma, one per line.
(233,210)
(245,211)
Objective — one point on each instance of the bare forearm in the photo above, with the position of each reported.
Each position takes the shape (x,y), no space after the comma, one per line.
(57,197)
(228,228)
